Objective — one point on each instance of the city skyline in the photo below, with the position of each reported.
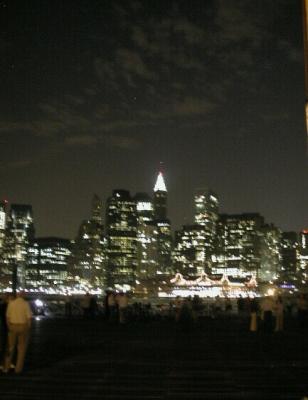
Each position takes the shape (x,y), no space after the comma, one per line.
(160,186)
(97,94)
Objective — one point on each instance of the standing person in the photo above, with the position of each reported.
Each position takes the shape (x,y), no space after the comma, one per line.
(254,309)
(6,298)
(85,305)
(122,301)
(18,316)
(267,308)
(279,314)
(302,311)
(112,306)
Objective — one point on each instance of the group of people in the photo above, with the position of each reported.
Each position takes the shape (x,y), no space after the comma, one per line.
(16,316)
(265,313)
(116,306)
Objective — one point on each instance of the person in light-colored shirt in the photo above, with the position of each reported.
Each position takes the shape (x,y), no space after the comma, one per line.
(18,317)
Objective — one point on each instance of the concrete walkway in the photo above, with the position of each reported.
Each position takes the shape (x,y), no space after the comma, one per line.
(218,359)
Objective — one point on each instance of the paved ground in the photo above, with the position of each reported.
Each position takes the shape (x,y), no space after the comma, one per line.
(219,359)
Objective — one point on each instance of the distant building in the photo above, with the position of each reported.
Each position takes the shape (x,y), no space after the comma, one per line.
(18,235)
(189,250)
(163,226)
(238,251)
(270,261)
(146,238)
(303,257)
(206,216)
(3,210)
(121,234)
(47,265)
(289,251)
(88,260)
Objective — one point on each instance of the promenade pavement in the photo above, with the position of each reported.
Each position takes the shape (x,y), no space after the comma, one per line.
(216,359)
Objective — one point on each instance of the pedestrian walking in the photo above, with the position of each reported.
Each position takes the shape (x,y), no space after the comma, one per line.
(18,316)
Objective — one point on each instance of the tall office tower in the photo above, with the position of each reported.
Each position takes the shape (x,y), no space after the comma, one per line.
(206,215)
(97,209)
(163,226)
(3,205)
(189,250)
(146,239)
(289,252)
(270,253)
(241,239)
(19,233)
(303,256)
(47,265)
(121,230)
(88,260)
(160,198)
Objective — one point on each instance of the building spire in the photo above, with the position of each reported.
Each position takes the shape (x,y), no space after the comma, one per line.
(160,185)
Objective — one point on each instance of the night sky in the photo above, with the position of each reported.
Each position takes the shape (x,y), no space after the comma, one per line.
(95,94)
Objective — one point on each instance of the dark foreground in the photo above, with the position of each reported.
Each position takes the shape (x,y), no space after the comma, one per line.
(218,359)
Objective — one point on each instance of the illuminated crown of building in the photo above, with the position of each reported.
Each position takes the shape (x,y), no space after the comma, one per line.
(160,184)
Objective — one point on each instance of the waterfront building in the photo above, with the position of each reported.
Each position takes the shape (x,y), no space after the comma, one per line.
(47,265)
(121,235)
(162,227)
(18,235)
(239,245)
(303,257)
(146,238)
(88,260)
(289,252)
(190,250)
(206,216)
(270,256)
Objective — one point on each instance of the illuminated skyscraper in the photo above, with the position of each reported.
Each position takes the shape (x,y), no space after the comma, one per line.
(121,233)
(19,233)
(47,264)
(88,261)
(289,257)
(206,215)
(146,239)
(189,250)
(163,226)
(160,198)
(240,241)
(303,256)
(270,257)
(3,205)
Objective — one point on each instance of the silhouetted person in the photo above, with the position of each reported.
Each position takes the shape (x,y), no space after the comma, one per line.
(302,311)
(254,309)
(240,305)
(112,306)
(68,306)
(186,318)
(267,309)
(85,305)
(18,315)
(6,298)
(122,302)
(93,308)
(279,311)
